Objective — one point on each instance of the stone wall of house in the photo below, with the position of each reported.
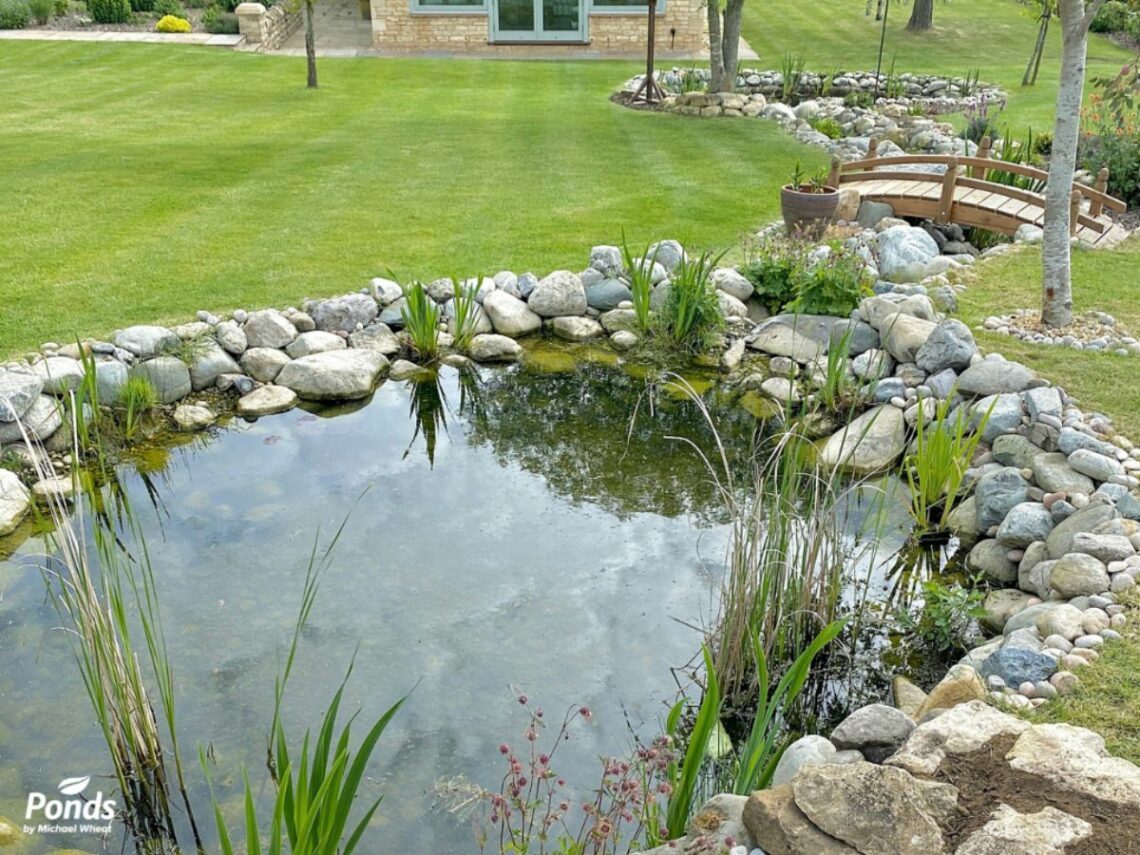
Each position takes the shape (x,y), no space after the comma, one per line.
(267,29)
(394,27)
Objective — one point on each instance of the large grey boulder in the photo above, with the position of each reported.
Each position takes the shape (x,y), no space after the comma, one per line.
(994,376)
(308,343)
(961,730)
(1060,540)
(1075,760)
(870,443)
(378,337)
(607,260)
(494,348)
(871,213)
(510,316)
(804,338)
(269,328)
(1043,401)
(997,493)
(263,363)
(1025,523)
(991,559)
(110,378)
(903,253)
(231,337)
(15,500)
(560,293)
(877,730)
(1077,574)
(336,375)
(169,376)
(266,401)
(59,374)
(731,282)
(904,335)
(1104,547)
(1002,413)
(343,314)
(19,388)
(1013,449)
(146,341)
(950,345)
(668,253)
(607,294)
(1053,474)
(810,750)
(1097,466)
(42,419)
(1046,832)
(385,291)
(210,364)
(577,329)
(877,310)
(1071,439)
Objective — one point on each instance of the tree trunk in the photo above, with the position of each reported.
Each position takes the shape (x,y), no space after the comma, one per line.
(716,49)
(733,12)
(1056,272)
(310,44)
(921,16)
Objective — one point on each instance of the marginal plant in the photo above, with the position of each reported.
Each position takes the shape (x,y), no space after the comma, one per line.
(137,399)
(639,272)
(421,320)
(466,310)
(838,392)
(943,449)
(791,73)
(692,310)
(686,774)
(946,621)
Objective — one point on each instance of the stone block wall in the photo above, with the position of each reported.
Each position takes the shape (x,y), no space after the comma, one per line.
(682,28)
(267,29)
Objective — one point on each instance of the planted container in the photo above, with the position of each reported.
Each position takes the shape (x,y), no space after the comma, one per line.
(808,209)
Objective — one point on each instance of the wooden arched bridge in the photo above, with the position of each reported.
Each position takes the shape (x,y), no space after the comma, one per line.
(977,191)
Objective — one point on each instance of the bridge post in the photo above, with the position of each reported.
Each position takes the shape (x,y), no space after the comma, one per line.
(984,148)
(949,180)
(836,168)
(1096,205)
(1074,211)
(872,148)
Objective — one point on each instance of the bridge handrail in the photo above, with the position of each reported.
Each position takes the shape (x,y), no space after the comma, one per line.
(1097,196)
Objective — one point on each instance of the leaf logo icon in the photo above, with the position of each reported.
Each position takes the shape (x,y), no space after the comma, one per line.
(74,786)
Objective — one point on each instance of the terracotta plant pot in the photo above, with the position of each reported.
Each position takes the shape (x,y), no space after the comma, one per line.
(807,213)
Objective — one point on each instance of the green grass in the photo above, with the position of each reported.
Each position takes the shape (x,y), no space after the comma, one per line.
(1102,280)
(142,183)
(995,36)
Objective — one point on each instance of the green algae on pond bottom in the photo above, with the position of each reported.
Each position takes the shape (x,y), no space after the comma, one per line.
(545,541)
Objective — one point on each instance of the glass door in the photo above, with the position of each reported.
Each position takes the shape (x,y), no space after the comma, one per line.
(538,21)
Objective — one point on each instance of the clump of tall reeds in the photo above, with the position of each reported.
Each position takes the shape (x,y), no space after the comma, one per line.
(420,314)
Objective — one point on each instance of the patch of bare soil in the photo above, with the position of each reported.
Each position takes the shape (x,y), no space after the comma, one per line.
(1130,219)
(984,781)
(625,99)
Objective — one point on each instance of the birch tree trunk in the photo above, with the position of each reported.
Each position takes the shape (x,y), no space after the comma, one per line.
(730,40)
(716,49)
(1056,271)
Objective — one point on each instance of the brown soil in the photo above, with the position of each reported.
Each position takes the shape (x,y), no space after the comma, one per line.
(1130,219)
(625,99)
(984,781)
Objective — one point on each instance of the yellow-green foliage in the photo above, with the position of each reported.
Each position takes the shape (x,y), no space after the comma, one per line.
(171,24)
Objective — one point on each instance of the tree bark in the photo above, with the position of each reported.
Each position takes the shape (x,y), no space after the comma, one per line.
(733,13)
(1056,270)
(921,15)
(716,49)
(1030,77)
(310,45)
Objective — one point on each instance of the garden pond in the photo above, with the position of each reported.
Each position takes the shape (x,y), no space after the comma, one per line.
(507,531)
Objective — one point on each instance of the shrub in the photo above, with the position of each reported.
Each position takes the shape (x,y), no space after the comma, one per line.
(859,99)
(142,5)
(833,285)
(171,24)
(773,275)
(421,321)
(692,309)
(41,10)
(14,14)
(109,11)
(214,20)
(828,127)
(1113,17)
(1111,126)
(60,7)
(946,621)
(162,8)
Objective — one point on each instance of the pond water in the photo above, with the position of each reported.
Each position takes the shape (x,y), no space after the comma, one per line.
(509,532)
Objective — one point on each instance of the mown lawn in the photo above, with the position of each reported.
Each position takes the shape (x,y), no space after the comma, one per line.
(994,37)
(142,183)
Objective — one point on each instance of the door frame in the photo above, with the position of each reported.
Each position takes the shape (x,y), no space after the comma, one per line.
(579,36)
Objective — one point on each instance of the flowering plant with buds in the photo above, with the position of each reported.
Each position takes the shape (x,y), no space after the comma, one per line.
(535,811)
(1111,131)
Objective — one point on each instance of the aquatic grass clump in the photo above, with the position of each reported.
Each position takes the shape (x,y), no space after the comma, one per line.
(137,399)
(935,469)
(466,310)
(639,272)
(692,310)
(420,314)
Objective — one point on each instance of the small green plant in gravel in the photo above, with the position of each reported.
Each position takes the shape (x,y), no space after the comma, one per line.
(827,126)
(639,272)
(946,621)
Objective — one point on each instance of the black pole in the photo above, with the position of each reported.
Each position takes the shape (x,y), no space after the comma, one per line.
(882,43)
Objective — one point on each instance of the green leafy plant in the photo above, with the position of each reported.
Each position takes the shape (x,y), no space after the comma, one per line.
(109,11)
(839,393)
(142,5)
(214,20)
(421,321)
(41,10)
(827,126)
(758,757)
(859,98)
(169,7)
(692,309)
(61,7)
(1111,130)
(1113,17)
(831,285)
(685,774)
(969,84)
(691,81)
(772,272)
(895,87)
(791,73)
(466,310)
(935,469)
(948,614)
(137,399)
(14,14)
(639,273)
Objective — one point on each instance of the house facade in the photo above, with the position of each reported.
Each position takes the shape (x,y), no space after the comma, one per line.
(519,27)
